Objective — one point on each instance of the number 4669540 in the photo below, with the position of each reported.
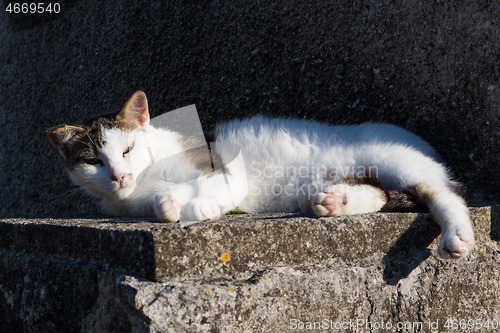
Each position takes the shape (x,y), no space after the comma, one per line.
(33,8)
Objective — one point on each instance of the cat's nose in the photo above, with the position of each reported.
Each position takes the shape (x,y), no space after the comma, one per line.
(117,177)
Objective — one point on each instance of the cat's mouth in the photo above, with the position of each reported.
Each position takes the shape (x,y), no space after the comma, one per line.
(125,186)
(124,191)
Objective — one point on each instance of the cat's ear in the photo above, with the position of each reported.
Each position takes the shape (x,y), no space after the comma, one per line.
(60,135)
(136,109)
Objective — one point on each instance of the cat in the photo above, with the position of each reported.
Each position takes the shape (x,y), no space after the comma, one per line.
(285,165)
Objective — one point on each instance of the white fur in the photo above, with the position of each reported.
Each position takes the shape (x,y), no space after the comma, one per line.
(284,165)
(289,162)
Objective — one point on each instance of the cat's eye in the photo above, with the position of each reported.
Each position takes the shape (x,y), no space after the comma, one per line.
(93,161)
(127,150)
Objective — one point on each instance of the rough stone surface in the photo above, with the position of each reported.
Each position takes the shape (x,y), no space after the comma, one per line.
(378,274)
(40,293)
(281,299)
(431,67)
(169,252)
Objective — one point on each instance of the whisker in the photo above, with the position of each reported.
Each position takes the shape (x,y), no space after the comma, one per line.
(87,134)
(77,190)
(85,143)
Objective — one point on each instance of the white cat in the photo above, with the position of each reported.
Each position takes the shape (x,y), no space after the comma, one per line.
(284,165)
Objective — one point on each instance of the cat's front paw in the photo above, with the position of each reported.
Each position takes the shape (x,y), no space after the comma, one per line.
(166,209)
(456,243)
(200,209)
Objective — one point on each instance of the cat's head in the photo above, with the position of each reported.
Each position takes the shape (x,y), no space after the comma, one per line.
(106,156)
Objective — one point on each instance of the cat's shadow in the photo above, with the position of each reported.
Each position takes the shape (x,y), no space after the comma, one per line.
(410,250)
(495,223)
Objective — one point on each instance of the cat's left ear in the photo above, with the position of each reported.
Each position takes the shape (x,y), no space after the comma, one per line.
(136,109)
(61,135)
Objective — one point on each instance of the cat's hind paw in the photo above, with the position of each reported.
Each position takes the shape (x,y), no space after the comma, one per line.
(456,244)
(200,209)
(344,199)
(331,203)
(166,210)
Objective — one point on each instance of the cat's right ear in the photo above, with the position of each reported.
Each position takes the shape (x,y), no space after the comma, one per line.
(136,109)
(60,135)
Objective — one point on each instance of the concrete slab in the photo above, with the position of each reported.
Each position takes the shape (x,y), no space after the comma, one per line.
(168,252)
(284,273)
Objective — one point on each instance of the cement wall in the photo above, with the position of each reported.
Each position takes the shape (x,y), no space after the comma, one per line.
(431,67)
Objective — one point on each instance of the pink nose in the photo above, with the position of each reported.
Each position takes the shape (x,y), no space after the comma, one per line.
(117,177)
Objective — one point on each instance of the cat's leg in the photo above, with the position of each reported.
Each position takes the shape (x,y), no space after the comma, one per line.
(201,209)
(219,192)
(205,198)
(179,203)
(452,214)
(400,167)
(166,209)
(346,199)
